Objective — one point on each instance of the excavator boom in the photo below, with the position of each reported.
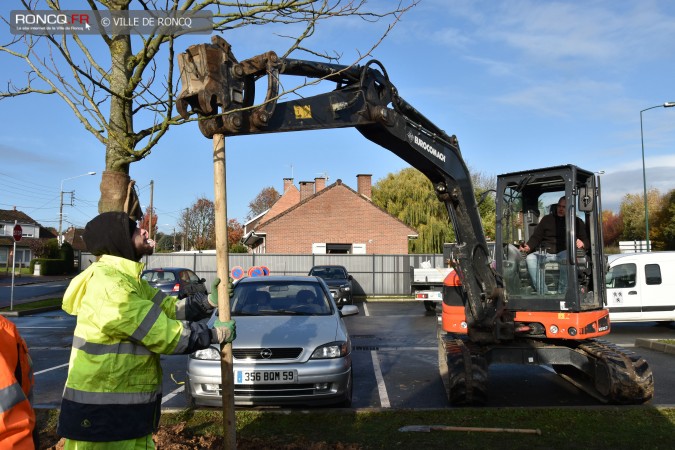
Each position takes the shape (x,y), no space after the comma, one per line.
(221,90)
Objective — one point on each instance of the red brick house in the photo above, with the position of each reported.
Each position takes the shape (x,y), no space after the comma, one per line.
(327,219)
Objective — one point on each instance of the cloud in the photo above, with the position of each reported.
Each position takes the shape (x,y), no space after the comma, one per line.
(627,179)
(13,155)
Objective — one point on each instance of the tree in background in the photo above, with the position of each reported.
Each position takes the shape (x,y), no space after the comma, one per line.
(235,231)
(199,229)
(164,242)
(38,247)
(484,187)
(612,227)
(662,230)
(409,196)
(123,98)
(262,202)
(149,217)
(198,223)
(632,210)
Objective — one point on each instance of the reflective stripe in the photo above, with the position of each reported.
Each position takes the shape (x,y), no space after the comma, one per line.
(147,323)
(111,398)
(184,340)
(121,348)
(159,296)
(11,396)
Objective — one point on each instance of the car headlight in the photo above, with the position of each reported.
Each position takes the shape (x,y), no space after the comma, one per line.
(207,353)
(345,288)
(332,350)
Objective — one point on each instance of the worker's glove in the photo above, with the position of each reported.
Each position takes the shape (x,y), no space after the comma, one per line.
(195,307)
(201,303)
(213,296)
(223,332)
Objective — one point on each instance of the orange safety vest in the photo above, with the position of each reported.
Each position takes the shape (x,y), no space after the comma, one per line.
(17,418)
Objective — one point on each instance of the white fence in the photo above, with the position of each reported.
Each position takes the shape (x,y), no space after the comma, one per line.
(373,274)
(633,246)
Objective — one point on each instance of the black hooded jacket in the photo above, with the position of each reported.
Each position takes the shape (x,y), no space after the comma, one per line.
(110,233)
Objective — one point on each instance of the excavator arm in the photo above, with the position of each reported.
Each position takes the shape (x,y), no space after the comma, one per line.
(221,91)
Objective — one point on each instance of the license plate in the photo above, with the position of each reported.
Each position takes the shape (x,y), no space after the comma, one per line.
(430,295)
(265,376)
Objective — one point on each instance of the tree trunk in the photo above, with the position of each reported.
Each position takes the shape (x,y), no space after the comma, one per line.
(117,191)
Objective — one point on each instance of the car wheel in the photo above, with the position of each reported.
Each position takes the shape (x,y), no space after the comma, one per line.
(189,399)
(429,305)
(346,402)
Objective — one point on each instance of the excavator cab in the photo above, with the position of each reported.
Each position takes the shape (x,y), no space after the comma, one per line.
(563,274)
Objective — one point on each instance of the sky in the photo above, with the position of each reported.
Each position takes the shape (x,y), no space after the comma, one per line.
(523,84)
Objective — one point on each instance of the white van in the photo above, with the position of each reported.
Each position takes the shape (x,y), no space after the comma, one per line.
(641,287)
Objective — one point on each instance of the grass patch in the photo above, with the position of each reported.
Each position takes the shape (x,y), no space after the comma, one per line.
(35,305)
(640,427)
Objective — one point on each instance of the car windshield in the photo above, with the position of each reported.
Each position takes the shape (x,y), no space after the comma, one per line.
(279,298)
(329,273)
(158,276)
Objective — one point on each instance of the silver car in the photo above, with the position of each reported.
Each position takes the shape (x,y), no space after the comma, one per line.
(292,347)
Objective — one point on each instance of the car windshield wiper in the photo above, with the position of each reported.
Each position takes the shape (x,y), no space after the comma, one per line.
(287,312)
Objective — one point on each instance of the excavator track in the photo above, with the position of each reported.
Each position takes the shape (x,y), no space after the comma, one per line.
(467,374)
(618,377)
(599,368)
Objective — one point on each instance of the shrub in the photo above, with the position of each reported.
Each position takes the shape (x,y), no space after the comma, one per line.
(68,256)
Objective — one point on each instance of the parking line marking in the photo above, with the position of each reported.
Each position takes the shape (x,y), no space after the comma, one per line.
(381,388)
(51,368)
(365,309)
(172,394)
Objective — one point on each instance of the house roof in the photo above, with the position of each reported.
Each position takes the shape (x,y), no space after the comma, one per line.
(337,185)
(289,199)
(10,215)
(74,237)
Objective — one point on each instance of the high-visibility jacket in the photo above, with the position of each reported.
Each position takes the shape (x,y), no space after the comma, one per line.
(114,385)
(17,418)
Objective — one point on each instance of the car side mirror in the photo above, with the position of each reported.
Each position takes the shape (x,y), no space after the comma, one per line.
(202,280)
(349,310)
(350,278)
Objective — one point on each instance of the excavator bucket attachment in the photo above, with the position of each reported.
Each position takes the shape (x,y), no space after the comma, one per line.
(205,87)
(218,88)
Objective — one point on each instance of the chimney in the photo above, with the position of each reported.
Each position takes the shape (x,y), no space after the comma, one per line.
(306,189)
(319,183)
(288,182)
(364,185)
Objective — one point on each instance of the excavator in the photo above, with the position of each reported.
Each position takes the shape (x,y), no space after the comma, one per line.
(495,311)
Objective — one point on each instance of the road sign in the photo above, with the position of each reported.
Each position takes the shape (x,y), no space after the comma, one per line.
(18,232)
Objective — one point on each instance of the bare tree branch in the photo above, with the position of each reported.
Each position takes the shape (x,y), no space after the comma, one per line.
(122,100)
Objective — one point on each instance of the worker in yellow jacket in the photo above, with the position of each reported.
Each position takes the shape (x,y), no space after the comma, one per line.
(113,392)
(17,418)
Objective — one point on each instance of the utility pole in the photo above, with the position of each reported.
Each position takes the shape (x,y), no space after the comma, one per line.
(152,185)
(60,238)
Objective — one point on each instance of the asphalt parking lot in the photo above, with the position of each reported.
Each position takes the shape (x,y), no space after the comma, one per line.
(395,362)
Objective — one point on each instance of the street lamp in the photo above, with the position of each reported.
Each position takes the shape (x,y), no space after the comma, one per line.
(644,172)
(61,206)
